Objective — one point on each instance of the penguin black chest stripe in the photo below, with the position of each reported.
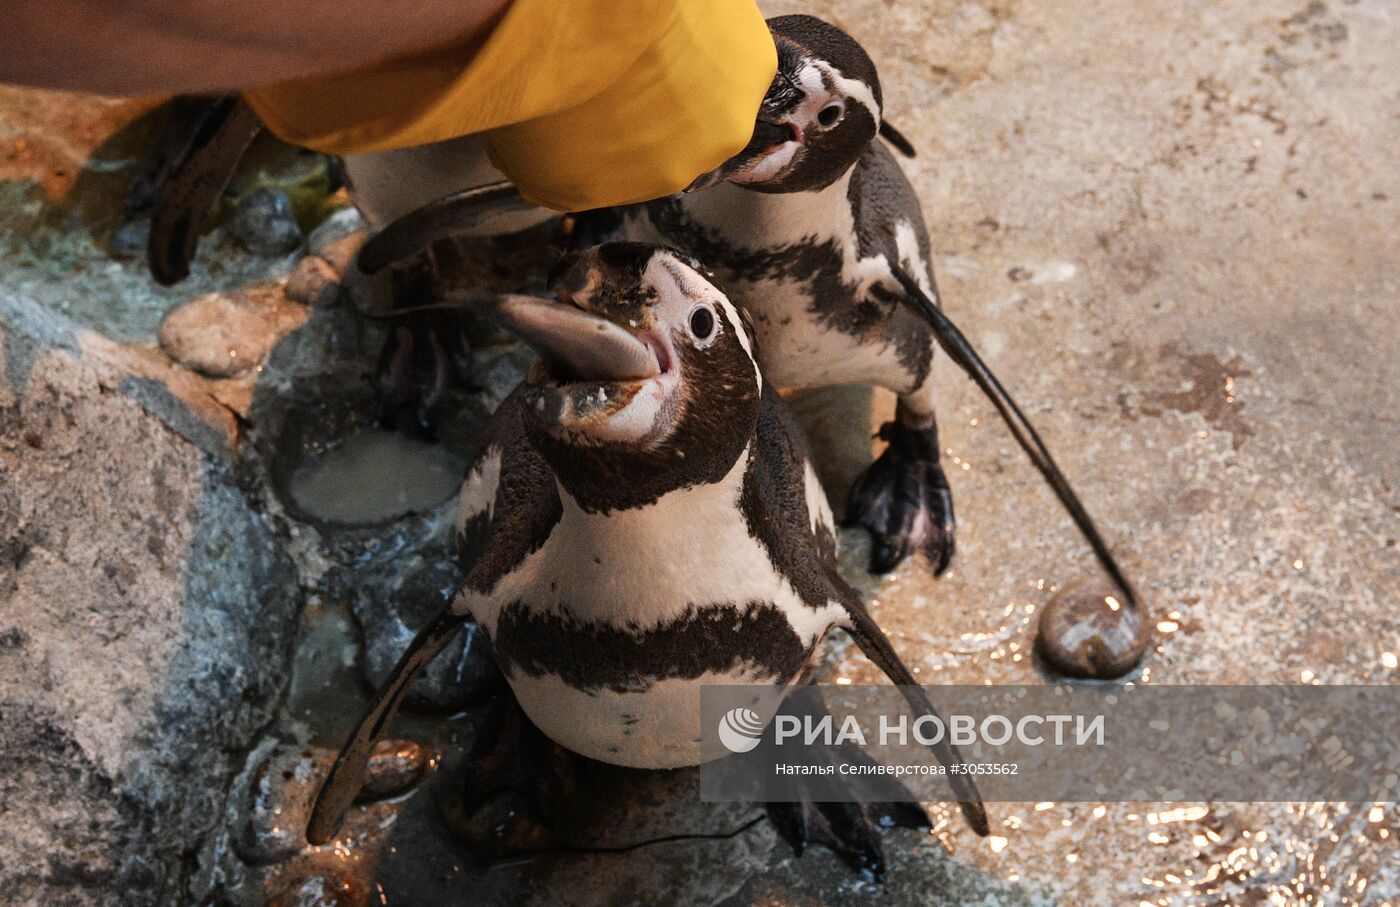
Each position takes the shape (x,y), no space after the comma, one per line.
(837,243)
(757,640)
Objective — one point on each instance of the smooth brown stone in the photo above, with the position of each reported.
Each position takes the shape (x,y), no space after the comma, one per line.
(1088,630)
(394,767)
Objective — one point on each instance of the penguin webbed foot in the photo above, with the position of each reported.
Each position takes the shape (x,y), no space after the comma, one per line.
(520,789)
(852,831)
(904,501)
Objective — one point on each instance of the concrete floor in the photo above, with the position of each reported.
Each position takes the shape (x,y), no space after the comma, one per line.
(1172,230)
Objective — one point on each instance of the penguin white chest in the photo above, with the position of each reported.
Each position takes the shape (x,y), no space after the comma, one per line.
(792,262)
(608,632)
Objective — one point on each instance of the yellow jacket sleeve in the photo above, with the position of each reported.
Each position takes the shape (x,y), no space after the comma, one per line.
(582,103)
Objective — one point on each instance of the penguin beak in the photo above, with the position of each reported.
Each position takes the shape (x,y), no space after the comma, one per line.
(577,346)
(767,134)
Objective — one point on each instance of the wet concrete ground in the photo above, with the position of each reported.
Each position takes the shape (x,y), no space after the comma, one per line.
(1172,231)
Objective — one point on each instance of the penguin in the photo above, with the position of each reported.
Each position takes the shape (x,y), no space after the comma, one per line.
(644,520)
(815,232)
(806,230)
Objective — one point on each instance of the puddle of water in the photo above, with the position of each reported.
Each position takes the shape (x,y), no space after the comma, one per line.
(374,477)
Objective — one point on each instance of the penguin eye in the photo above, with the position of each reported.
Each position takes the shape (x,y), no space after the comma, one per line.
(702,323)
(830,114)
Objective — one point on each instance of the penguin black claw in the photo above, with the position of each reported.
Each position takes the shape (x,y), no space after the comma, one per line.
(904,501)
(852,831)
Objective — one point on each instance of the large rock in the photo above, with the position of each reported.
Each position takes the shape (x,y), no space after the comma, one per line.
(145,614)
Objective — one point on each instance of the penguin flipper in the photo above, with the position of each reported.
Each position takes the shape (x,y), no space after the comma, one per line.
(346,776)
(877,647)
(956,345)
(221,135)
(454,214)
(896,139)
(182,117)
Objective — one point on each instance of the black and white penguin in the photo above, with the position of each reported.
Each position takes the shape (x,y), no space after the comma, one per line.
(806,230)
(815,232)
(644,520)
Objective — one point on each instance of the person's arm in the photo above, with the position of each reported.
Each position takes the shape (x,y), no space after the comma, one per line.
(142,47)
(583,103)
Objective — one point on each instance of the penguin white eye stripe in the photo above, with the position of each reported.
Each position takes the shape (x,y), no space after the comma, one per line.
(854,89)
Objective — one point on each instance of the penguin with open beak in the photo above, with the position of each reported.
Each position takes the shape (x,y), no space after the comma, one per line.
(643,520)
(814,231)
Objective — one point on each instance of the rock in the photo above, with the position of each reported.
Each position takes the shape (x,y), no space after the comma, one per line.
(1087,630)
(275,800)
(264,223)
(314,282)
(343,223)
(326,887)
(226,334)
(341,252)
(394,590)
(637,837)
(128,241)
(394,767)
(145,616)
(338,240)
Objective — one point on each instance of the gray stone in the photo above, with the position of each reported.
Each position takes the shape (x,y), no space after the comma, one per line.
(342,251)
(338,239)
(395,586)
(1088,630)
(339,225)
(264,223)
(226,334)
(145,613)
(128,240)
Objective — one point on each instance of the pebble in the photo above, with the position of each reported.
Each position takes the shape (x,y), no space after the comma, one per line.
(338,239)
(264,223)
(1088,631)
(282,790)
(338,226)
(314,282)
(222,335)
(394,767)
(341,253)
(128,241)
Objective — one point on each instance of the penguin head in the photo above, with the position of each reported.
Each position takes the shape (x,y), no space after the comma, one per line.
(647,379)
(820,113)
